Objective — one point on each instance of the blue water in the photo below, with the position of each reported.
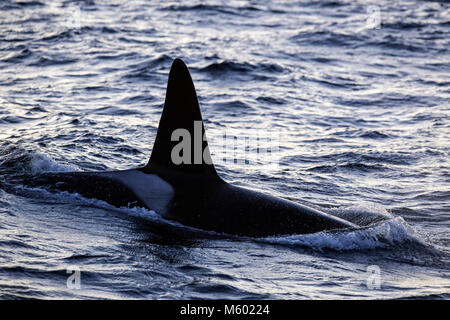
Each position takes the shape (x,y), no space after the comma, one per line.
(359,91)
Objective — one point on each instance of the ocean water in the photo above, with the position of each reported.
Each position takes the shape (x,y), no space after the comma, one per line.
(358,93)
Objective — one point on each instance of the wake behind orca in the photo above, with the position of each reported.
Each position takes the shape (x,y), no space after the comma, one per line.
(183,185)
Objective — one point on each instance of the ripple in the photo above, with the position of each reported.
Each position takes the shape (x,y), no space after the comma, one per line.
(18,56)
(377,158)
(225,66)
(52,61)
(218,9)
(271,100)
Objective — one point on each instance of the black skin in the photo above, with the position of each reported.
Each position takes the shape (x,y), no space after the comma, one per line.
(87,184)
(234,210)
(209,203)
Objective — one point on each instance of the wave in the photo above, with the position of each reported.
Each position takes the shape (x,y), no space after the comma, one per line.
(349,158)
(328,38)
(16,5)
(218,9)
(15,57)
(389,233)
(225,66)
(145,70)
(52,61)
(18,160)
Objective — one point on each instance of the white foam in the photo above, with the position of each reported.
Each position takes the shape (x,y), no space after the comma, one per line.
(362,214)
(42,163)
(383,234)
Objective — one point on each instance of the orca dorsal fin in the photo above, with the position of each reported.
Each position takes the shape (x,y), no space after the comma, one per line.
(181,116)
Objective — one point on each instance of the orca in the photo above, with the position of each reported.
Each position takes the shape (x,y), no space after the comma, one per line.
(191,192)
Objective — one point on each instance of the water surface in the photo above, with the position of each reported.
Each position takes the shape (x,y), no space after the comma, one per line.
(359,92)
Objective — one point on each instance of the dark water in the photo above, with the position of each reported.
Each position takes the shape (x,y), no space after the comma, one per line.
(359,91)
